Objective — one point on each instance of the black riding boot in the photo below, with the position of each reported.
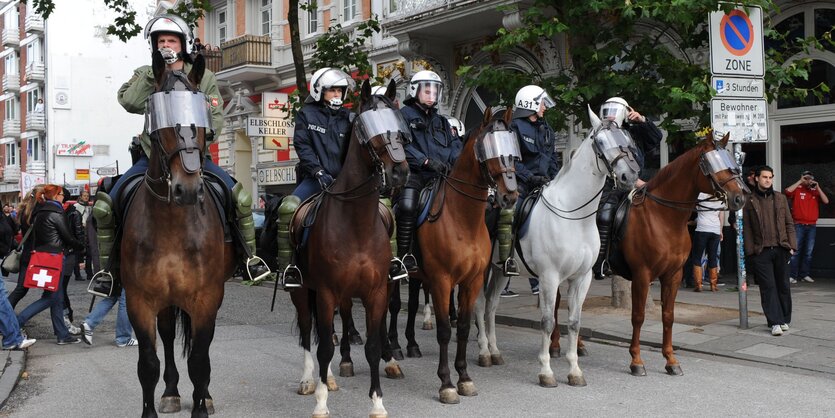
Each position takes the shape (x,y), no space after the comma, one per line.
(406,219)
(605,217)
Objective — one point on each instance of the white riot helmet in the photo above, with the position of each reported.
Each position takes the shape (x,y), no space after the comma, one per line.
(429,82)
(326,78)
(529,99)
(378,91)
(169,24)
(456,124)
(615,109)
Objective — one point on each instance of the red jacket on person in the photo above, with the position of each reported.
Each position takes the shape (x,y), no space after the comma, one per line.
(805,209)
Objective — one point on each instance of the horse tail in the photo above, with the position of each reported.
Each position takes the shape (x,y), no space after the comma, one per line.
(185,329)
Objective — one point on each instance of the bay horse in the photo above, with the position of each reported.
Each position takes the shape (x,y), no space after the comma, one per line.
(348,253)
(562,242)
(174,258)
(659,214)
(455,246)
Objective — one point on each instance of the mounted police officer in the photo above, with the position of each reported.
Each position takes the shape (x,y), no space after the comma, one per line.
(431,153)
(323,128)
(536,168)
(647,138)
(172,37)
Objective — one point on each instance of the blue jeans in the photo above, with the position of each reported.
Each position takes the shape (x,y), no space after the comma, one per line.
(801,263)
(705,241)
(123,328)
(8,321)
(55,302)
(142,165)
(308,187)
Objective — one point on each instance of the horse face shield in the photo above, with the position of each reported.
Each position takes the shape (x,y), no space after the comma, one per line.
(503,147)
(713,164)
(385,130)
(185,111)
(614,145)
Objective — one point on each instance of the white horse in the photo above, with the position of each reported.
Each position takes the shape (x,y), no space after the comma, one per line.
(562,243)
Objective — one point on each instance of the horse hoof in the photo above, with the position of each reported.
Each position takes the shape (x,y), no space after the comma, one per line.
(378,415)
(413,352)
(449,396)
(674,370)
(332,386)
(484,360)
(497,359)
(467,388)
(576,380)
(346,369)
(547,381)
(453,323)
(397,354)
(306,388)
(582,352)
(393,371)
(355,339)
(210,406)
(169,404)
(428,326)
(638,370)
(325,415)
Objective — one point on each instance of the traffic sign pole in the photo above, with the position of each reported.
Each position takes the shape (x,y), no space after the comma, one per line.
(742,284)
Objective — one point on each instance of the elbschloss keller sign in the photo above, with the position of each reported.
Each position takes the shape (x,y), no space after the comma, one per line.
(277,175)
(736,42)
(270,127)
(745,119)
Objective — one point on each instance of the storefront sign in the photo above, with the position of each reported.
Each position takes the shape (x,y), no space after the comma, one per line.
(275,127)
(82,174)
(277,175)
(78,149)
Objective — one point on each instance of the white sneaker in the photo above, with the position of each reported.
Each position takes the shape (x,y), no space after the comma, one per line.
(87,336)
(776,330)
(26,343)
(792,280)
(74,330)
(784,327)
(808,279)
(132,342)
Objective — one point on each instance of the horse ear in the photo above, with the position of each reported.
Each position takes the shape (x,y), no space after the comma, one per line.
(508,116)
(365,94)
(488,116)
(391,91)
(197,71)
(158,66)
(725,139)
(595,121)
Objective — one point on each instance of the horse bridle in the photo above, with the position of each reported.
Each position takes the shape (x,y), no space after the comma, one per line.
(185,111)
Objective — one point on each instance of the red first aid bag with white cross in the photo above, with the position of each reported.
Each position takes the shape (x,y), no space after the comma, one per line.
(44,271)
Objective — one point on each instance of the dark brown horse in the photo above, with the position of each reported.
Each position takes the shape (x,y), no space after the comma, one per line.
(348,252)
(659,215)
(174,258)
(455,245)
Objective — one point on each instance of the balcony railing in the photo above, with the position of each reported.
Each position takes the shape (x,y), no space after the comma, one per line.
(11,127)
(35,71)
(33,23)
(406,8)
(34,167)
(214,59)
(11,82)
(35,121)
(11,173)
(246,50)
(11,37)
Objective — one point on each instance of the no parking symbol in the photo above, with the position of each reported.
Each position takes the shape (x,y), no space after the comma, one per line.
(736,42)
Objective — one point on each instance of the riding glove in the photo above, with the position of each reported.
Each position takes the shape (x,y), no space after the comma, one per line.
(324,179)
(436,166)
(537,181)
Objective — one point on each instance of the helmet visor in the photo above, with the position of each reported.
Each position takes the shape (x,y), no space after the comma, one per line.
(498,144)
(615,112)
(335,78)
(429,93)
(173,108)
(545,99)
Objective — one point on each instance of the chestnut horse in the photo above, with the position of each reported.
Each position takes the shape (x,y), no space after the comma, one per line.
(348,253)
(455,246)
(174,258)
(659,214)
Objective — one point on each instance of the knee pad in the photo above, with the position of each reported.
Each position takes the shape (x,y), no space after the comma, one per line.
(103,210)
(407,205)
(243,200)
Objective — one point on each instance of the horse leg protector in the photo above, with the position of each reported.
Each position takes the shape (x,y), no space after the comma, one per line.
(406,219)
(105,227)
(506,243)
(243,209)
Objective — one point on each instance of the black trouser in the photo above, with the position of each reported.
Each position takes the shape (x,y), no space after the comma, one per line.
(771,267)
(406,218)
(20,291)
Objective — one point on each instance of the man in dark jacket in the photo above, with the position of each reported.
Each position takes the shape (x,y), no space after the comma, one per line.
(770,241)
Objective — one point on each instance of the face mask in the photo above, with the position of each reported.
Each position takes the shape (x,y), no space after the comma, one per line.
(168,55)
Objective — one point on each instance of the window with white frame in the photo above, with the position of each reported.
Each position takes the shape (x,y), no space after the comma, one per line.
(266,16)
(11,109)
(11,64)
(312,16)
(393,6)
(11,154)
(11,19)
(33,52)
(35,148)
(221,17)
(349,10)
(32,97)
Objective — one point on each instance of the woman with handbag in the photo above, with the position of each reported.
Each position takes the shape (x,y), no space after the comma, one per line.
(24,216)
(50,237)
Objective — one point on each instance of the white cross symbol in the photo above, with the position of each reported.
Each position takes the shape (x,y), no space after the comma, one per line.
(42,278)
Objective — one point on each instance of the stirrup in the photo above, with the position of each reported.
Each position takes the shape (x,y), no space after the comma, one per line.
(510,268)
(262,270)
(294,274)
(410,263)
(397,270)
(101,284)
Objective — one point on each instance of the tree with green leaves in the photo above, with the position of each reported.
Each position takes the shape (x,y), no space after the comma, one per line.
(640,50)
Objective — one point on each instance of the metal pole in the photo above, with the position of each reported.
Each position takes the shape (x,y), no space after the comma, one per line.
(742,285)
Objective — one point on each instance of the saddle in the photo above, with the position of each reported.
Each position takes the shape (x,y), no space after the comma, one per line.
(616,259)
(305,216)
(426,200)
(520,224)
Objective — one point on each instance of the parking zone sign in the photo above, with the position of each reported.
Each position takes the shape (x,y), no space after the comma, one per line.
(736,42)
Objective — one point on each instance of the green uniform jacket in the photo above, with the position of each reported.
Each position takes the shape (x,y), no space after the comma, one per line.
(133,96)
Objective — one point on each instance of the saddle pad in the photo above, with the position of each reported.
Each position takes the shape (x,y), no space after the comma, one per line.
(616,259)
(305,216)
(427,196)
(523,215)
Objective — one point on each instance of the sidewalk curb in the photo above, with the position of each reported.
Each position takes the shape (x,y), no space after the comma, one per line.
(14,362)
